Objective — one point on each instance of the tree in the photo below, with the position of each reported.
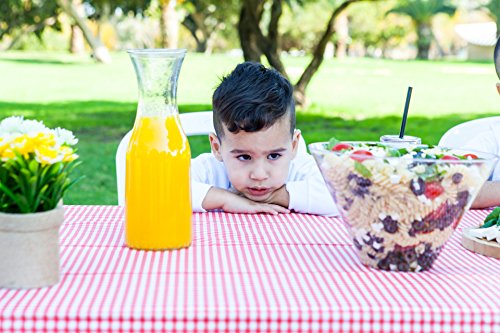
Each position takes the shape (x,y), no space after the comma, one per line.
(369,27)
(169,23)
(493,8)
(21,17)
(99,51)
(255,43)
(421,13)
(204,18)
(102,11)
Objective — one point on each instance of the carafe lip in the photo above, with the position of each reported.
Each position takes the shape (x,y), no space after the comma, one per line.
(156,52)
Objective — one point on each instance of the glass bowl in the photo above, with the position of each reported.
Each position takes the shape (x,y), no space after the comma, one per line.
(401,206)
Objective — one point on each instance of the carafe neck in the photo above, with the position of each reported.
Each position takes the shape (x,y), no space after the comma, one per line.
(157,72)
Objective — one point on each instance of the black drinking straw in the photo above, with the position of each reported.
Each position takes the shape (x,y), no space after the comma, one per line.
(405,113)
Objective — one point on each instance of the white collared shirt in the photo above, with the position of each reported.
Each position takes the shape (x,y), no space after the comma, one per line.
(489,142)
(305,184)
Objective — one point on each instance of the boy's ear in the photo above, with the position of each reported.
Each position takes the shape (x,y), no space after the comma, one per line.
(215,145)
(295,142)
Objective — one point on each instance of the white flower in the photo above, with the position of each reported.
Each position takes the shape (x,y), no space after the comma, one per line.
(11,125)
(33,127)
(65,137)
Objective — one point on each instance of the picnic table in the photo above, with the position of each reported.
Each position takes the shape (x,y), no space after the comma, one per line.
(290,272)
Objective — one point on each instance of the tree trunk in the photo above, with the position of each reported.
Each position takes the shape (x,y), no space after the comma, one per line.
(169,24)
(77,41)
(194,23)
(318,54)
(424,38)
(268,45)
(248,39)
(342,30)
(100,52)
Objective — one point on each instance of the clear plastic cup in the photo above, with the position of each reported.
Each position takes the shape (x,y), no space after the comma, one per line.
(397,142)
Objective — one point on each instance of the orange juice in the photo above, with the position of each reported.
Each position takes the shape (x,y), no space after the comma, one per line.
(157,187)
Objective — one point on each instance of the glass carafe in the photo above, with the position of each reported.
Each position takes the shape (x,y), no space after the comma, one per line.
(157,186)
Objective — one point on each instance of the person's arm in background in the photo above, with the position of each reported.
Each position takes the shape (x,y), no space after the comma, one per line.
(489,195)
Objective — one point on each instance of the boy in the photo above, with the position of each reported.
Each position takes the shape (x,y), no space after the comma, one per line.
(254,166)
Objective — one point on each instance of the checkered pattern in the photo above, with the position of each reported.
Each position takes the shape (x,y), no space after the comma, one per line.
(250,273)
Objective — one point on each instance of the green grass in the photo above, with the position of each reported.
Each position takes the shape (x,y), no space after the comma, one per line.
(352,99)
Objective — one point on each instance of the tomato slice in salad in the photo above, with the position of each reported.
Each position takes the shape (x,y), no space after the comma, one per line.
(341,146)
(471,156)
(433,190)
(360,155)
(450,158)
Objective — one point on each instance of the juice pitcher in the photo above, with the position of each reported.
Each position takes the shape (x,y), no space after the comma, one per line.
(157,183)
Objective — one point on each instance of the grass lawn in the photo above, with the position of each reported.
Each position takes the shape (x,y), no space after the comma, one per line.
(352,99)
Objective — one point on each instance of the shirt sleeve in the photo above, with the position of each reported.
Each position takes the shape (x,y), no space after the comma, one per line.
(200,175)
(307,189)
(206,171)
(489,142)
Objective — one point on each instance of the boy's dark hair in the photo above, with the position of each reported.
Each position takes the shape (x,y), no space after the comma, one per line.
(250,98)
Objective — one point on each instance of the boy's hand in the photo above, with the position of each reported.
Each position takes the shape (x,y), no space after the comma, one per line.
(229,202)
(279,197)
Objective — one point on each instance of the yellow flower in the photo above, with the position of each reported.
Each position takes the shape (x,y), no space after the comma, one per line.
(8,154)
(47,155)
(43,139)
(23,145)
(4,144)
(68,154)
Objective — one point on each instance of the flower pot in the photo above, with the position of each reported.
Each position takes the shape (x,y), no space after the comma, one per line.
(29,249)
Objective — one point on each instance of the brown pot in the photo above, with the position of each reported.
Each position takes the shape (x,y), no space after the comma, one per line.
(29,249)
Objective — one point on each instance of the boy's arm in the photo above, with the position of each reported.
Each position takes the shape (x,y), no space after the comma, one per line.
(489,195)
(217,198)
(280,197)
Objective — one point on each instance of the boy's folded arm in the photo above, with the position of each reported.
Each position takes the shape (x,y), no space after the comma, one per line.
(218,198)
(280,197)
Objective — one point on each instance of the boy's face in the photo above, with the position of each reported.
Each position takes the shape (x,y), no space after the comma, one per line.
(257,163)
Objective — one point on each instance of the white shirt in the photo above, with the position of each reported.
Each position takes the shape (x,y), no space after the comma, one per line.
(305,184)
(489,142)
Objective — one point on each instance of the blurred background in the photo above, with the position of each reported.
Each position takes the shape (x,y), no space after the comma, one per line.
(350,61)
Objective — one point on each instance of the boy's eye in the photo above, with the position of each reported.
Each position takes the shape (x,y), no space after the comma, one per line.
(244,157)
(273,156)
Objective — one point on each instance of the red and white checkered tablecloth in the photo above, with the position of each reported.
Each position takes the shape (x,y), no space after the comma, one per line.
(250,273)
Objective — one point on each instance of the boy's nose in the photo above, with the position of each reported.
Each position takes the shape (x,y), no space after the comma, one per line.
(259,172)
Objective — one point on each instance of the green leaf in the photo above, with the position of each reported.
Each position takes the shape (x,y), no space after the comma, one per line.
(362,169)
(22,206)
(489,223)
(494,214)
(34,166)
(332,142)
(27,186)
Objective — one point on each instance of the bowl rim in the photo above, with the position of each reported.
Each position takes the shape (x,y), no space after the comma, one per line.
(319,147)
